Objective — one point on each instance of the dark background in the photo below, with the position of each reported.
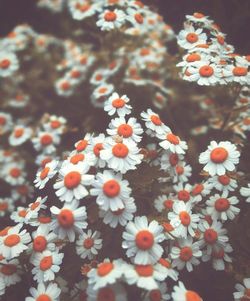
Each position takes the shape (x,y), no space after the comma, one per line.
(233,16)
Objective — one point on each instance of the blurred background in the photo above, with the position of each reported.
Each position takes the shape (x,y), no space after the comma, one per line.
(233,16)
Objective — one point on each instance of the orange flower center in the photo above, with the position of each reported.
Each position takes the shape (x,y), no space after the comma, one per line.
(224,180)
(77,158)
(193,57)
(155,295)
(88,243)
(240,71)
(75,74)
(110,16)
(219,155)
(46,140)
(39,243)
(173,139)
(106,294)
(222,204)
(185,218)
(156,120)
(167,227)
(192,37)
(144,240)
(43,297)
(8,269)
(120,150)
(104,268)
(138,18)
(15,172)
(165,263)
(34,205)
(81,145)
(186,254)
(22,213)
(220,40)
(125,130)
(192,296)
(72,179)
(210,236)
(65,86)
(3,206)
(12,240)
(111,188)
(206,71)
(144,270)
(102,90)
(179,170)
(55,124)
(198,15)
(4,64)
(118,103)
(44,173)
(184,195)
(46,263)
(97,148)
(197,189)
(18,132)
(2,120)
(168,204)
(173,159)
(66,218)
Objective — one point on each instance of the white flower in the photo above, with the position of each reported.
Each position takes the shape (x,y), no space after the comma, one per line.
(96,145)
(10,273)
(43,175)
(127,130)
(20,135)
(242,290)
(219,158)
(121,156)
(154,123)
(111,190)
(183,220)
(8,63)
(109,20)
(221,207)
(72,182)
(185,254)
(189,37)
(46,265)
(141,239)
(223,183)
(245,191)
(117,104)
(88,244)
(180,293)
(172,143)
(46,141)
(106,273)
(115,291)
(68,220)
(51,291)
(14,242)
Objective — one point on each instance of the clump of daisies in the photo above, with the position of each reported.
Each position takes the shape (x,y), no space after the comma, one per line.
(209,60)
(96,207)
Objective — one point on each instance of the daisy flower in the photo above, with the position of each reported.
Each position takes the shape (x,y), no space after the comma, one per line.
(183,220)
(46,264)
(76,157)
(243,291)
(141,239)
(213,236)
(9,272)
(64,87)
(163,202)
(96,145)
(99,76)
(121,156)
(100,93)
(20,215)
(127,130)
(135,17)
(43,239)
(172,143)
(111,190)
(8,63)
(68,220)
(35,207)
(106,273)
(154,123)
(180,293)
(117,104)
(158,294)
(182,172)
(219,158)
(51,291)
(164,265)
(56,124)
(82,144)
(81,9)
(14,173)
(6,122)
(20,135)
(170,160)
(119,216)
(186,254)
(115,291)
(184,193)
(222,207)
(72,181)
(190,37)
(6,206)
(245,192)
(46,141)
(88,244)
(109,20)
(202,189)
(45,174)
(143,276)
(14,242)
